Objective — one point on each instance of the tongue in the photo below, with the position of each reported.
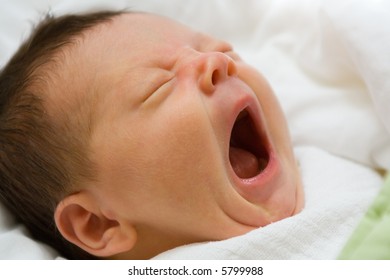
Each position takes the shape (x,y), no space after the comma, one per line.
(244,163)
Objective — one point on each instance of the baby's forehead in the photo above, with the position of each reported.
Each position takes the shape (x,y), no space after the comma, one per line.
(148,32)
(125,48)
(134,41)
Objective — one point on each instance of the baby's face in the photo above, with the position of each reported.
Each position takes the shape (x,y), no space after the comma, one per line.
(190,142)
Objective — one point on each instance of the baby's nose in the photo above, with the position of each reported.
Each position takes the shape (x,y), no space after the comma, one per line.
(215,67)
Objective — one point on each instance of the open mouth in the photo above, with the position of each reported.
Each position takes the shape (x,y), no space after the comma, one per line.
(248,152)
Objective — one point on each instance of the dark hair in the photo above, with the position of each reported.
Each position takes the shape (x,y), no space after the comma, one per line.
(39,161)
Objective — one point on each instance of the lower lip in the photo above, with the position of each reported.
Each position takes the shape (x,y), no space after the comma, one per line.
(262,185)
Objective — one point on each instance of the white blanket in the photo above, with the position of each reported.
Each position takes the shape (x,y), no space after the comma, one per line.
(329,63)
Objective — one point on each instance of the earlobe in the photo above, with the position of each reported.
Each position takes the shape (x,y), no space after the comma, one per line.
(82,224)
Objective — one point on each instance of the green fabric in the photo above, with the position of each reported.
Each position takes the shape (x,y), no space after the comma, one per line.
(371,239)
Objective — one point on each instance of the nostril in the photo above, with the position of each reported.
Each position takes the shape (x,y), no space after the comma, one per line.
(220,73)
(232,70)
(215,77)
(214,68)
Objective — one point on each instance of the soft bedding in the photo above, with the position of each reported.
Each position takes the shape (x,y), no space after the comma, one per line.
(328,62)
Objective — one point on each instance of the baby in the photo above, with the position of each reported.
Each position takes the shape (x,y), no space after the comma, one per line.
(124,135)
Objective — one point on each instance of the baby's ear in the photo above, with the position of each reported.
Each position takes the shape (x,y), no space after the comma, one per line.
(81,222)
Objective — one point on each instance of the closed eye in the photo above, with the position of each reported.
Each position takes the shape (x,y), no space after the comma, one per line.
(157,85)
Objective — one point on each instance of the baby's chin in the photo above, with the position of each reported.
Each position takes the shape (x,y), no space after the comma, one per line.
(291,201)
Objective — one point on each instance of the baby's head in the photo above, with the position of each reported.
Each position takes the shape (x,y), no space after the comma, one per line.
(128,134)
